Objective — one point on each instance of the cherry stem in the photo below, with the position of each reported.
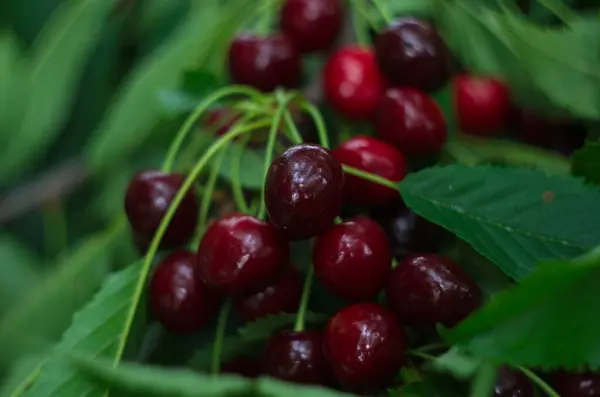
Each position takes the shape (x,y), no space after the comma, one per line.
(303,308)
(383,11)
(215,366)
(318,120)
(236,185)
(371,177)
(209,188)
(539,382)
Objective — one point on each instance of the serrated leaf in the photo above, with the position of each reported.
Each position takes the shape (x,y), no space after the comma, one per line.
(586,163)
(514,217)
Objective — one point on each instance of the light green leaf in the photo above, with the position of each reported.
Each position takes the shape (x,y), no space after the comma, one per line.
(432,386)
(586,163)
(514,217)
(251,167)
(484,380)
(457,363)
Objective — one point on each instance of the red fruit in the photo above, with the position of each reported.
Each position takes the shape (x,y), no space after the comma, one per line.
(283,296)
(376,157)
(585,384)
(512,383)
(239,254)
(181,302)
(221,119)
(561,135)
(482,104)
(312,25)
(352,259)
(352,83)
(364,345)
(247,367)
(426,289)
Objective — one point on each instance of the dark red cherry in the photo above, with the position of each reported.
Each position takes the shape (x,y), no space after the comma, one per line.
(147,199)
(221,119)
(410,120)
(312,25)
(482,104)
(240,254)
(585,384)
(247,367)
(512,383)
(376,157)
(352,259)
(364,345)
(179,300)
(352,83)
(303,191)
(426,289)
(411,53)
(264,63)
(560,135)
(297,356)
(282,296)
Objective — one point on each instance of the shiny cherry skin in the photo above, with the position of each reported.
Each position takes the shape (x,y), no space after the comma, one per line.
(297,356)
(312,25)
(426,289)
(240,254)
(352,82)
(411,120)
(179,300)
(411,53)
(376,157)
(247,367)
(303,191)
(364,345)
(353,259)
(512,383)
(482,104)
(264,63)
(282,296)
(221,119)
(148,197)
(585,384)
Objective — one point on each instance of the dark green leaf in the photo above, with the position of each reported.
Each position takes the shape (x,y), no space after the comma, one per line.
(10,82)
(175,102)
(484,380)
(201,82)
(21,376)
(432,386)
(586,163)
(514,217)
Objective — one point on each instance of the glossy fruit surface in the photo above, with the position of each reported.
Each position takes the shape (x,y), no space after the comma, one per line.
(148,197)
(512,383)
(239,254)
(586,384)
(482,104)
(179,300)
(426,289)
(411,53)
(376,157)
(281,296)
(312,25)
(410,120)
(352,259)
(352,82)
(247,367)
(264,63)
(221,119)
(364,345)
(303,191)
(296,357)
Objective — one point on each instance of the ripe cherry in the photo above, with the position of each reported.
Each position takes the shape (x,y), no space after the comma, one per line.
(303,191)
(221,119)
(264,62)
(147,199)
(240,254)
(411,53)
(585,384)
(426,289)
(482,104)
(512,383)
(376,157)
(180,301)
(297,356)
(364,345)
(561,135)
(312,25)
(352,259)
(352,83)
(247,367)
(410,120)
(282,296)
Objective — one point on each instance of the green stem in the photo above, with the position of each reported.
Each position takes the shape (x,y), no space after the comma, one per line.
(292,129)
(318,120)
(383,11)
(539,382)
(422,355)
(209,188)
(303,308)
(371,177)
(236,185)
(215,366)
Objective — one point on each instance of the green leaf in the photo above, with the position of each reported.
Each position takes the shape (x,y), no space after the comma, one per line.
(10,82)
(483,383)
(432,386)
(586,163)
(514,217)
(201,82)
(457,363)
(21,376)
(548,321)
(251,167)
(58,58)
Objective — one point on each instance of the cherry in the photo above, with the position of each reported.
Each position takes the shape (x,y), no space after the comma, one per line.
(376,157)
(240,254)
(364,345)
(352,259)
(147,199)
(425,289)
(411,53)
(586,384)
(512,383)
(282,296)
(264,62)
(221,119)
(181,302)
(303,191)
(352,83)
(482,104)
(247,367)
(312,25)
(297,356)
(412,121)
